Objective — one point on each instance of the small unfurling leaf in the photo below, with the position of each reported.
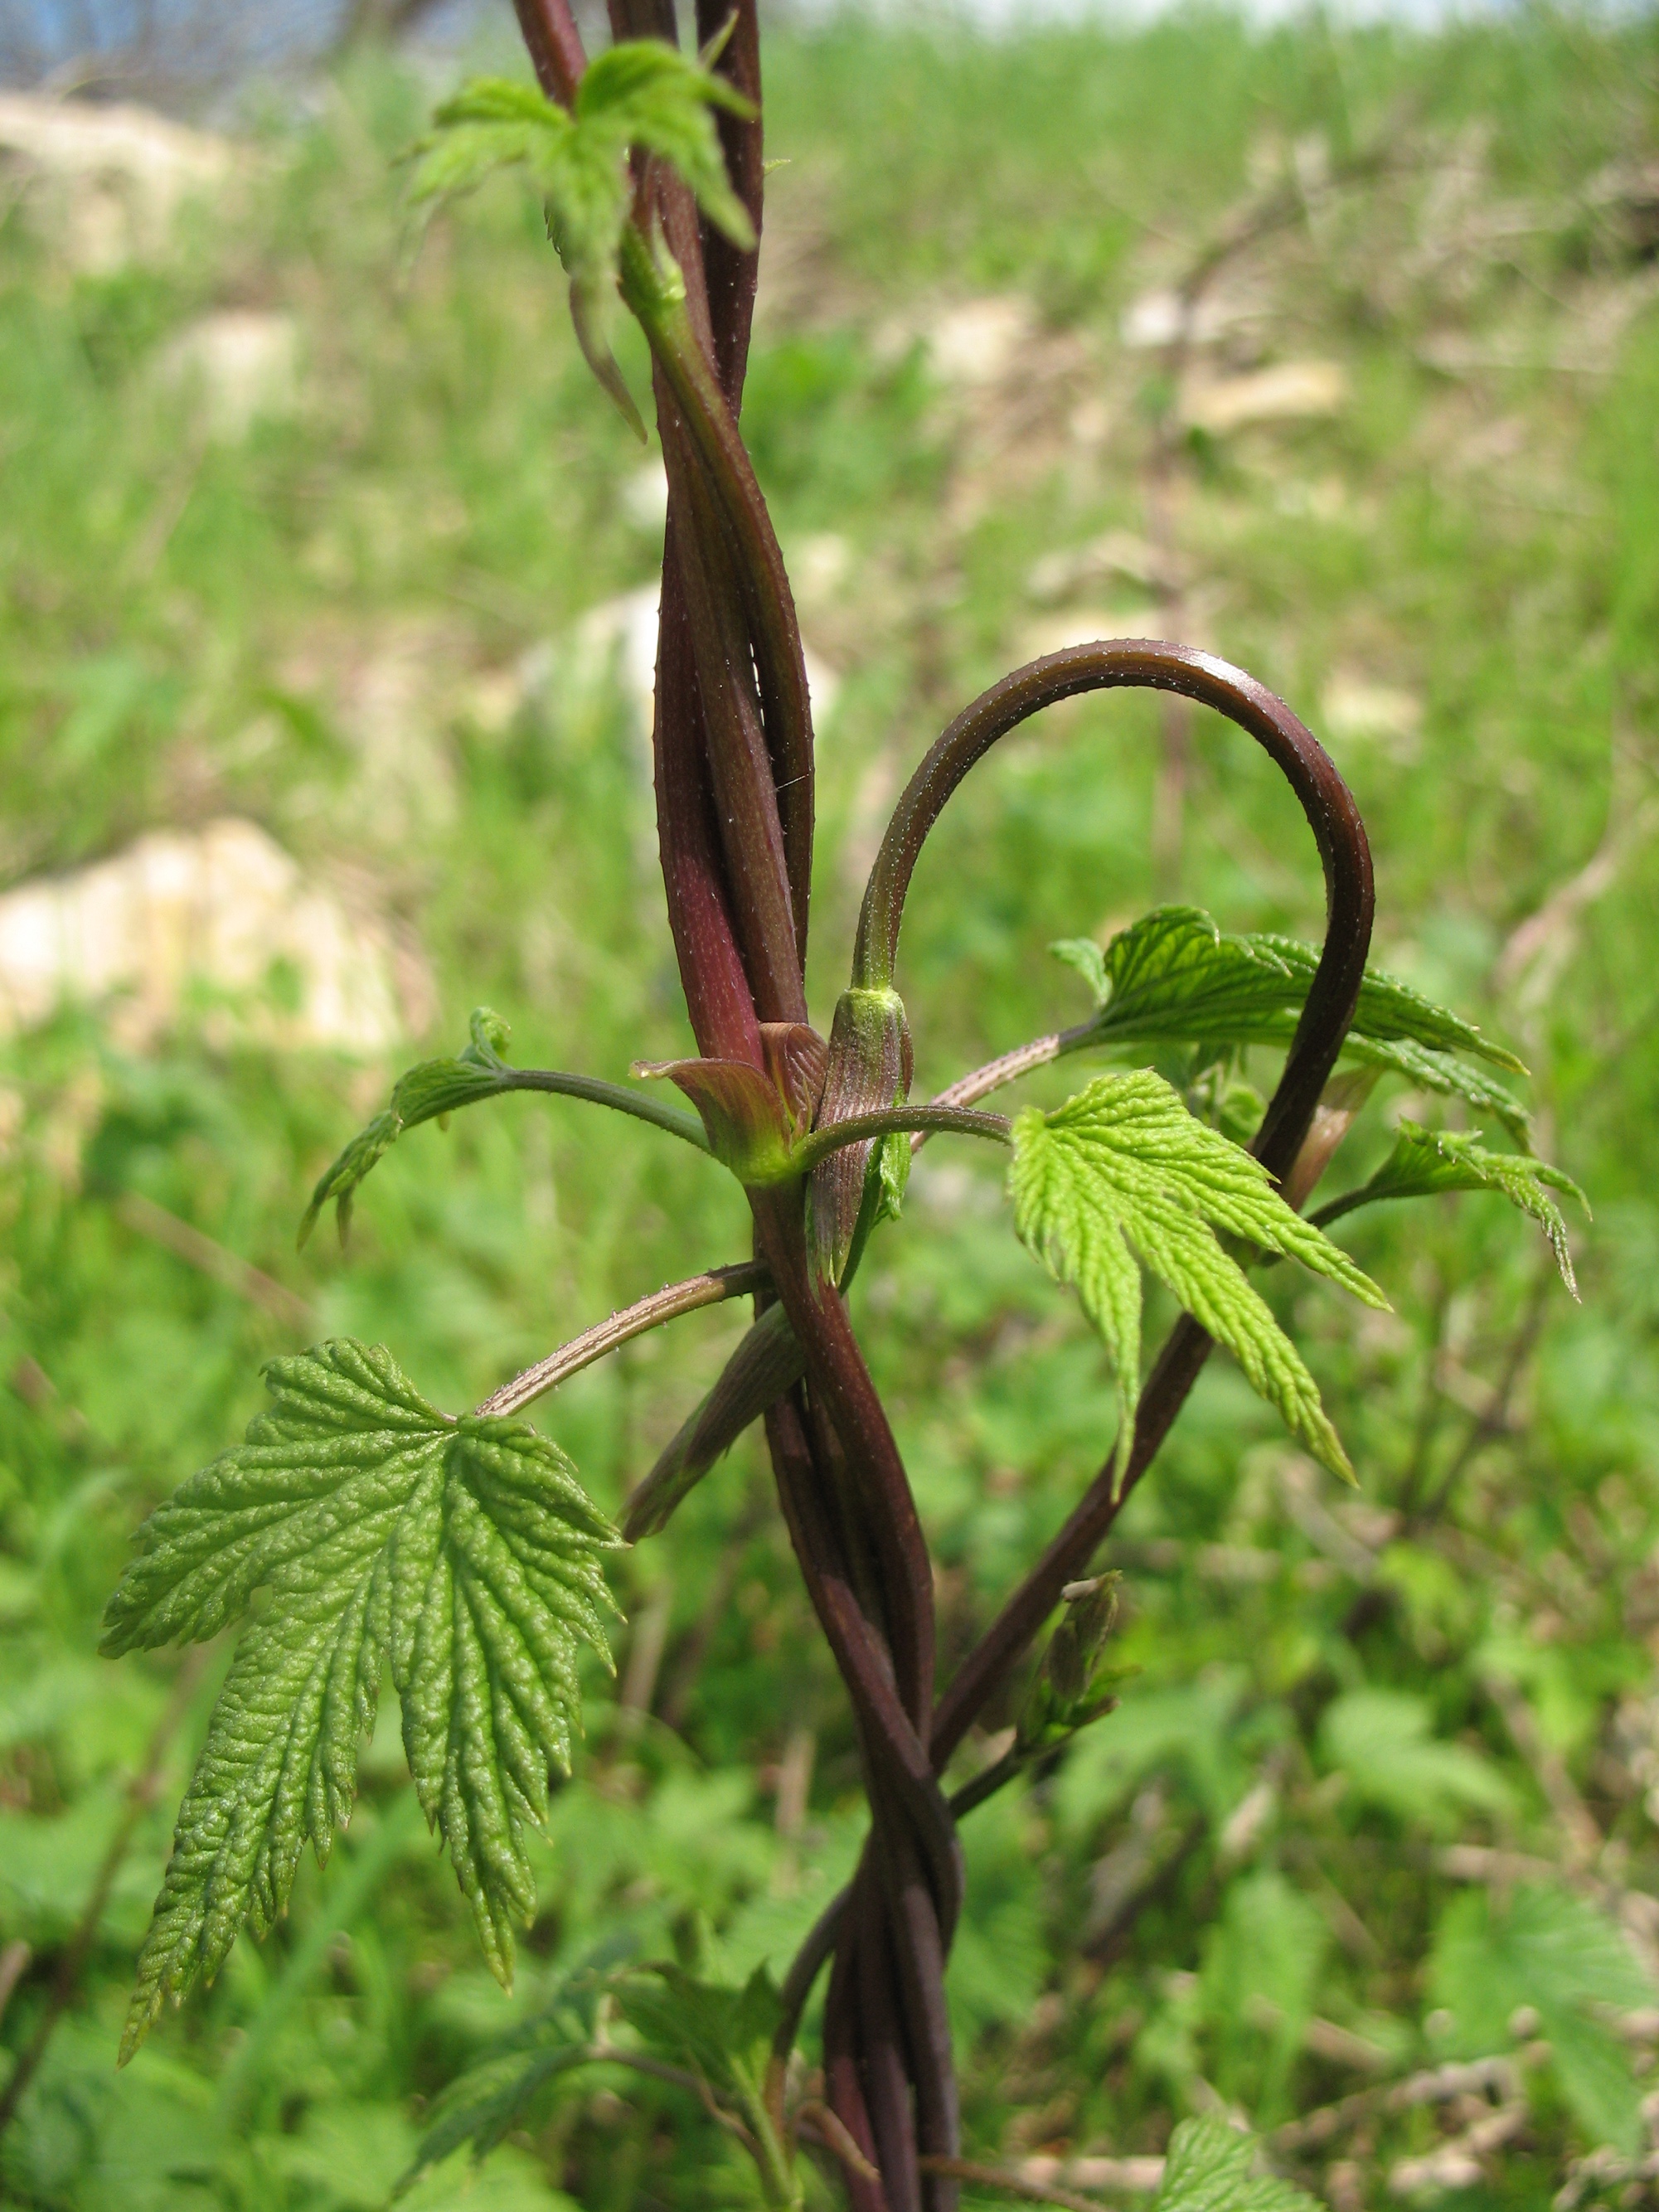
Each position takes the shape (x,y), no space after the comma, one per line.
(1124,1169)
(464,1554)
(639,93)
(1425,1162)
(429,1092)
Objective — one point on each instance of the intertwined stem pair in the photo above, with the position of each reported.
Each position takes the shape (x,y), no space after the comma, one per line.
(733,765)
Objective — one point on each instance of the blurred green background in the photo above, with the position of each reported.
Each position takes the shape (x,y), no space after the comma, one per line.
(324,612)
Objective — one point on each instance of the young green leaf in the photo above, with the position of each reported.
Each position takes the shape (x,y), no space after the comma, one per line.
(428,1091)
(640,92)
(1124,1168)
(1209,2168)
(1381,1741)
(1545,1949)
(464,1553)
(1174,975)
(1425,1162)
(436,1088)
(503,2088)
(723,2033)
(724,2036)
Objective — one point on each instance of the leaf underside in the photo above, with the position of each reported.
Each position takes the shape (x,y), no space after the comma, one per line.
(1174,977)
(1425,1162)
(1124,1170)
(463,1554)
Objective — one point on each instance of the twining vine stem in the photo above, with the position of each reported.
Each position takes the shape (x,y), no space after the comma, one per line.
(733,759)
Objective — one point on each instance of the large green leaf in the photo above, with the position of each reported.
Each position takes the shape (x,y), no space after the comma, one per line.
(1123,1170)
(1174,977)
(464,1553)
(1209,2168)
(1426,1161)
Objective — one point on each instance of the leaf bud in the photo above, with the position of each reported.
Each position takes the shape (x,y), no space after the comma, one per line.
(870,1067)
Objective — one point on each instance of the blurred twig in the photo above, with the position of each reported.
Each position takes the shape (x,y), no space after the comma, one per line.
(145,1219)
(13,1965)
(1007,2183)
(1577,1823)
(141,1792)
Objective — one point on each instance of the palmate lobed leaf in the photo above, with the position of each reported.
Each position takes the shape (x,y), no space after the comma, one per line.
(1176,974)
(462,1553)
(1174,977)
(1425,1162)
(1124,1169)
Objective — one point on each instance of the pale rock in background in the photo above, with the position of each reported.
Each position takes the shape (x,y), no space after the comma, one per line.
(389,695)
(239,365)
(1355,709)
(979,341)
(1293,390)
(109,181)
(212,910)
(819,565)
(645,498)
(1114,553)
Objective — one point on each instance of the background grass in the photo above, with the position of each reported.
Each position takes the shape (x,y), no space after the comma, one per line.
(1263,1880)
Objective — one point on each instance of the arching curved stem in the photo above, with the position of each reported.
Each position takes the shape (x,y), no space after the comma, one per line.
(1126,663)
